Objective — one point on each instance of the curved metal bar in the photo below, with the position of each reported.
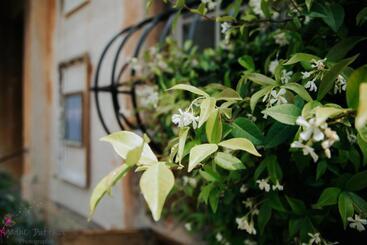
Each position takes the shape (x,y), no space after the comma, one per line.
(115,102)
(98,68)
(193,27)
(166,29)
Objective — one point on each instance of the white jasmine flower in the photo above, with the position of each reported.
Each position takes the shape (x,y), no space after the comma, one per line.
(306,74)
(219,237)
(315,238)
(312,128)
(277,97)
(307,150)
(188,226)
(135,64)
(331,137)
(357,223)
(255,212)
(211,4)
(243,188)
(311,85)
(255,5)
(318,64)
(352,138)
(340,84)
(184,119)
(248,203)
(286,76)
(149,96)
(188,180)
(225,27)
(244,224)
(251,117)
(273,65)
(281,39)
(263,185)
(277,186)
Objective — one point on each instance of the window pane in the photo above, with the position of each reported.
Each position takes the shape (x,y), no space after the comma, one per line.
(73,118)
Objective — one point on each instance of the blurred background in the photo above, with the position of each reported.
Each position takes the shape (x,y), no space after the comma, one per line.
(50,153)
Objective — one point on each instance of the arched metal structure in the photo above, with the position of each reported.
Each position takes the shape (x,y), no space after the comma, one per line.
(115,88)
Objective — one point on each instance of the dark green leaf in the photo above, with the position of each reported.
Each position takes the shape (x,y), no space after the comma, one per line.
(359,203)
(247,62)
(341,49)
(278,134)
(361,17)
(327,82)
(321,169)
(298,206)
(264,217)
(274,169)
(345,205)
(357,77)
(357,182)
(328,197)
(244,128)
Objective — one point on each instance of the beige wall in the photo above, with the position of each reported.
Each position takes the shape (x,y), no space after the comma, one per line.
(52,38)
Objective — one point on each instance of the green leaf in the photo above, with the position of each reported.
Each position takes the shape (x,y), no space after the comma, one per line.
(226,18)
(259,94)
(214,199)
(104,186)
(125,141)
(357,182)
(361,17)
(332,15)
(205,192)
(294,226)
(308,4)
(189,88)
(284,113)
(327,83)
(207,106)
(179,4)
(199,152)
(214,127)
(363,146)
(181,143)
(247,62)
(327,112)
(278,134)
(301,57)
(274,169)
(245,128)
(328,197)
(361,118)
(240,144)
(341,49)
(228,161)
(275,202)
(298,89)
(264,216)
(321,169)
(210,176)
(298,206)
(345,205)
(155,184)
(228,94)
(357,77)
(262,166)
(260,79)
(359,203)
(309,108)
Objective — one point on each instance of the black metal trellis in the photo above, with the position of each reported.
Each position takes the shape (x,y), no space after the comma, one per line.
(115,87)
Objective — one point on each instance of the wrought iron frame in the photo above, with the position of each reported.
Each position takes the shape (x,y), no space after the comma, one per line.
(115,88)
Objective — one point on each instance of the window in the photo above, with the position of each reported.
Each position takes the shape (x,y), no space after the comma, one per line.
(73,119)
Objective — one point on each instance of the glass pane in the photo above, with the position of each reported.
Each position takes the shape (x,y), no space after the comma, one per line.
(73,118)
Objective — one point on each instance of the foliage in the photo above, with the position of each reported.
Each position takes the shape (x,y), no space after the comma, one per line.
(24,226)
(271,125)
